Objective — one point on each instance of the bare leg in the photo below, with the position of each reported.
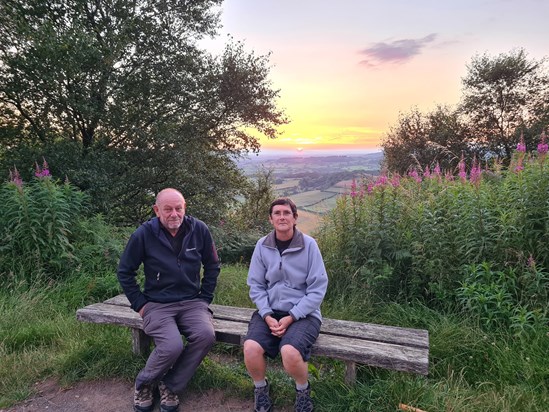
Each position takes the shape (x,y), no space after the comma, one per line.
(254,360)
(294,364)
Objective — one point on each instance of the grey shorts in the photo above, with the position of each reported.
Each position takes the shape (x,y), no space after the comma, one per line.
(301,334)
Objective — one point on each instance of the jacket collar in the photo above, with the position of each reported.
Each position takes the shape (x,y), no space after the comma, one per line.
(296,243)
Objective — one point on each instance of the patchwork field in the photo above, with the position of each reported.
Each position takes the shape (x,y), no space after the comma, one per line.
(286,184)
(315,183)
(307,221)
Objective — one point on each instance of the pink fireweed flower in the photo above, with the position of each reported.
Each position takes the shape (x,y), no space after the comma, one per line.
(462,173)
(521,146)
(395,180)
(519,167)
(381,180)
(426,172)
(353,188)
(436,171)
(370,188)
(42,172)
(45,168)
(15,177)
(37,170)
(542,146)
(476,172)
(414,175)
(449,176)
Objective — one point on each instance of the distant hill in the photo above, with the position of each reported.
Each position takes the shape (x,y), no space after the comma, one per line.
(285,166)
(314,182)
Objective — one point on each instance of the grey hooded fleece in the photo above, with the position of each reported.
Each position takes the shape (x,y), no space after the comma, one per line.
(294,281)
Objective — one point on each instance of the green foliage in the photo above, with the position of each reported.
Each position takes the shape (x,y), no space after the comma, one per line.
(504,299)
(233,246)
(422,140)
(501,95)
(246,221)
(252,214)
(231,287)
(46,238)
(36,228)
(429,238)
(124,102)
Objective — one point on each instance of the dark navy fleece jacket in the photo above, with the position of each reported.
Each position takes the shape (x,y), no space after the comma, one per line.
(170,275)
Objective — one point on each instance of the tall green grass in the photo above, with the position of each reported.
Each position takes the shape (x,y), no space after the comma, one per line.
(480,242)
(398,256)
(471,368)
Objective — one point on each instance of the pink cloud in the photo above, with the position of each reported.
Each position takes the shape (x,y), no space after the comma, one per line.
(398,51)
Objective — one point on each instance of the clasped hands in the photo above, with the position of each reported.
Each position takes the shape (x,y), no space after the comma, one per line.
(278,327)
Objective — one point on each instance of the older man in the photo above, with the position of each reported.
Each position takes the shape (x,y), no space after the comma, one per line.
(173,248)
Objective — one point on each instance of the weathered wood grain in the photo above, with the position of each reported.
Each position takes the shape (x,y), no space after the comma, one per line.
(389,347)
(360,330)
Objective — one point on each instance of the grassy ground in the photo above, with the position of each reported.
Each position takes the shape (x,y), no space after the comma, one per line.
(470,370)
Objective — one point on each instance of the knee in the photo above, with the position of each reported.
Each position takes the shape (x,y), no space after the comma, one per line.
(171,348)
(290,355)
(203,337)
(252,349)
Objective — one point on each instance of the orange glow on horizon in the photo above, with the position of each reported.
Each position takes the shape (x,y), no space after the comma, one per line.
(323,138)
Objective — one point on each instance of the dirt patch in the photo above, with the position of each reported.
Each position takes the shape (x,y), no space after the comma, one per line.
(117,396)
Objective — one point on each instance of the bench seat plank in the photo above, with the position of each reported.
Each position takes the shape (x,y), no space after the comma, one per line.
(369,331)
(389,347)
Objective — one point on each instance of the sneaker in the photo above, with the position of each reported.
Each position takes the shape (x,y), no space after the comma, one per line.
(262,400)
(303,401)
(143,399)
(169,401)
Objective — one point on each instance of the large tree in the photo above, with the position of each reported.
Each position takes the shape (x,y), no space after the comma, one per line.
(120,97)
(421,140)
(503,96)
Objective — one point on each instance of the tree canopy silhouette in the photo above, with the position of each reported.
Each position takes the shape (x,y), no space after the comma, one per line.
(504,97)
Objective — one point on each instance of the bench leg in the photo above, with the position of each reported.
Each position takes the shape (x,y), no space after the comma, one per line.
(141,342)
(350,372)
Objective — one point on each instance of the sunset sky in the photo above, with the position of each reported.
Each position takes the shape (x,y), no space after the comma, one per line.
(347,68)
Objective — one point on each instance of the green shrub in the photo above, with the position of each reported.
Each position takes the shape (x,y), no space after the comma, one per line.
(506,298)
(36,228)
(425,237)
(46,236)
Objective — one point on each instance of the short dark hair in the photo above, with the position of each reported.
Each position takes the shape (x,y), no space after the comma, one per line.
(283,201)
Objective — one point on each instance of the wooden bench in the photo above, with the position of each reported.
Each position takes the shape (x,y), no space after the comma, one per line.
(389,347)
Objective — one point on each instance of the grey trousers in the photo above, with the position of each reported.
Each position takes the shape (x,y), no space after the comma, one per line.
(172,361)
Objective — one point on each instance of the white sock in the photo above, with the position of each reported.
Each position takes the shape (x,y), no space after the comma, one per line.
(301,387)
(260,384)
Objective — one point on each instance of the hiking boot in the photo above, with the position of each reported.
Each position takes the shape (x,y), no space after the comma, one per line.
(303,401)
(169,401)
(262,401)
(143,399)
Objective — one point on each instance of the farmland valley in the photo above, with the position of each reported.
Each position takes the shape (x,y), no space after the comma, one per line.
(314,182)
